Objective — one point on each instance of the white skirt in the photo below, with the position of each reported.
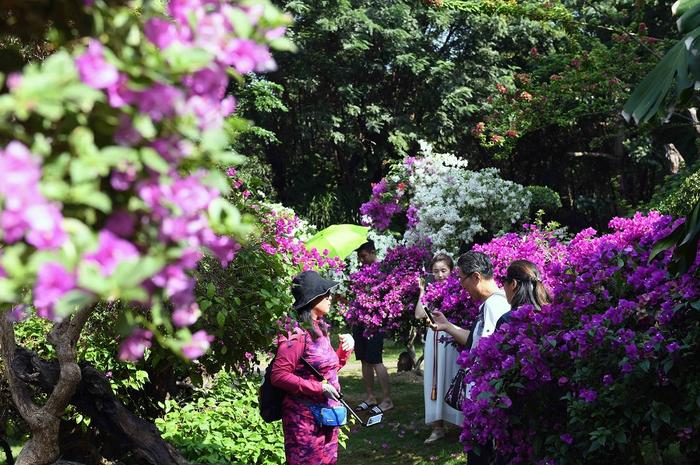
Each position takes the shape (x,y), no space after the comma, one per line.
(446,370)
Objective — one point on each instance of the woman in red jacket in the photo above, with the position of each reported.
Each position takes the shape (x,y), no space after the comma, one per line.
(306,442)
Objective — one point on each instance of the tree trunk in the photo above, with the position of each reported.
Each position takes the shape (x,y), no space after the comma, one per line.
(9,460)
(44,421)
(95,399)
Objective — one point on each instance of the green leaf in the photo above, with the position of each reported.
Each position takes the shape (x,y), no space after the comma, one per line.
(116,155)
(8,291)
(227,158)
(72,301)
(81,171)
(621,437)
(283,44)
(681,6)
(214,140)
(144,125)
(132,273)
(153,160)
(221,319)
(666,243)
(241,22)
(211,290)
(689,20)
(90,278)
(185,59)
(218,181)
(90,194)
(649,94)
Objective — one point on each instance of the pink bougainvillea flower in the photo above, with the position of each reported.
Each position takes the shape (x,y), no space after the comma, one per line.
(161,32)
(246,56)
(121,223)
(20,168)
(14,80)
(186,316)
(198,345)
(52,282)
(94,70)
(126,134)
(111,251)
(18,313)
(135,345)
(119,93)
(45,230)
(159,101)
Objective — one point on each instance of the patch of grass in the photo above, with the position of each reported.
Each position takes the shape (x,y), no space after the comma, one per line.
(399,438)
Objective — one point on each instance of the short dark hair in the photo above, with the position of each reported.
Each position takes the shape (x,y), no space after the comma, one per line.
(475,262)
(367,247)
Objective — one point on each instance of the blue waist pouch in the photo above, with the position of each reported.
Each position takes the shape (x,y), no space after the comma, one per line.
(329,416)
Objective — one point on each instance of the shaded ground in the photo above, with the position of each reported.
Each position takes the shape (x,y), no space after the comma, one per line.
(399,438)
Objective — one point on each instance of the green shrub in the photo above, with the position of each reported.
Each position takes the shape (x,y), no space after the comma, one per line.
(543,198)
(679,193)
(221,425)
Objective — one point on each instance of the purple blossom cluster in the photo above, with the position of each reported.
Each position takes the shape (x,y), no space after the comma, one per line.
(26,213)
(452,300)
(608,343)
(283,228)
(540,247)
(386,291)
(389,198)
(158,211)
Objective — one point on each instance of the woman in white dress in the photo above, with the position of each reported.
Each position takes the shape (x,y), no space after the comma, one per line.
(440,358)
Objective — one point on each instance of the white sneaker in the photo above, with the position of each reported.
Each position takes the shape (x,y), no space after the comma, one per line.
(438,433)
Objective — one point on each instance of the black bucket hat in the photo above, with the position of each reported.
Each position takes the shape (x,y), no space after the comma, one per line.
(307,286)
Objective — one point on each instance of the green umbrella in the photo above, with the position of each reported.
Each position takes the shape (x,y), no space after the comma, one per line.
(339,239)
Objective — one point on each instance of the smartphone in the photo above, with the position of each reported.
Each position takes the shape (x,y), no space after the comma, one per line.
(429,278)
(430,316)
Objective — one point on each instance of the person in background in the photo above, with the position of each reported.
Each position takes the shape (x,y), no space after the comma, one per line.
(306,442)
(440,361)
(523,286)
(476,277)
(369,351)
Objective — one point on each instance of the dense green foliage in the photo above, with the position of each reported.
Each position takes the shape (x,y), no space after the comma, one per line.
(372,78)
(221,425)
(679,193)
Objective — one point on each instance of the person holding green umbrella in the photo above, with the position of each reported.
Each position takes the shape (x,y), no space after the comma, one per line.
(369,351)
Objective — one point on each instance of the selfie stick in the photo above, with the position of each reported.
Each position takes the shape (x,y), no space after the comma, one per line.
(373,420)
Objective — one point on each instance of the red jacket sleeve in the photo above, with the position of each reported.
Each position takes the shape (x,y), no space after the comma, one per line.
(283,376)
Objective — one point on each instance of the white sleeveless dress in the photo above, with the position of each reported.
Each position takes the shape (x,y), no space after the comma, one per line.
(446,370)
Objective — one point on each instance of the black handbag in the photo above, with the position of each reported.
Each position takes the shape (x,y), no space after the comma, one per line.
(457,392)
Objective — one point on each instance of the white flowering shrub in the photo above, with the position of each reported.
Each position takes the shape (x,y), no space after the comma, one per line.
(445,202)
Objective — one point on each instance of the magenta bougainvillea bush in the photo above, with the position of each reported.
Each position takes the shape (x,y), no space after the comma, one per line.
(605,372)
(532,243)
(608,370)
(385,292)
